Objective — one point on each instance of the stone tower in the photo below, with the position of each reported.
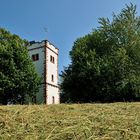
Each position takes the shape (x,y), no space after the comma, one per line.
(45,58)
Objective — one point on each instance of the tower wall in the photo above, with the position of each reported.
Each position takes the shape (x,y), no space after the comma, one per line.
(52,74)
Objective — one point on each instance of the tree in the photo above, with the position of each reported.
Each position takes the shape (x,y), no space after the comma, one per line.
(18,78)
(105,64)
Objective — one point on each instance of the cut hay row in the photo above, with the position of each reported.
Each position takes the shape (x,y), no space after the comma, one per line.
(117,121)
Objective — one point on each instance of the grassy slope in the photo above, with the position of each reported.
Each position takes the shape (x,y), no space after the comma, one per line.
(118,121)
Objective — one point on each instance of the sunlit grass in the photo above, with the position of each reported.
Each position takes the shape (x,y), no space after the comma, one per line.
(116,121)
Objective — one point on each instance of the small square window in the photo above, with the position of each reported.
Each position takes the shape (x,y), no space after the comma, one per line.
(35,57)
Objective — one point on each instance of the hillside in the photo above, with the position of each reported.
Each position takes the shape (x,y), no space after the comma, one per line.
(116,121)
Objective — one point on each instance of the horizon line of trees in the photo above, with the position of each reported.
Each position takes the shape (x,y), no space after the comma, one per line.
(105,64)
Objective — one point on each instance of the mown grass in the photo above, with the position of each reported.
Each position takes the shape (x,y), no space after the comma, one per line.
(116,121)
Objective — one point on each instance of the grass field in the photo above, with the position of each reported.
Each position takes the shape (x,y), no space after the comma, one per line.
(116,121)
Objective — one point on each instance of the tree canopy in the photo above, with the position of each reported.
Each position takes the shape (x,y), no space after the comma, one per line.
(105,64)
(18,77)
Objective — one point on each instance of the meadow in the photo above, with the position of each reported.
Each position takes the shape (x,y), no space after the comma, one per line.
(114,121)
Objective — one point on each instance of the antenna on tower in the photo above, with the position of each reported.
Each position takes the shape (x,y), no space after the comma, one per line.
(45,30)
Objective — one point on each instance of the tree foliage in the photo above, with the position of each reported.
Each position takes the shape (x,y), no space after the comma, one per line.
(18,78)
(105,64)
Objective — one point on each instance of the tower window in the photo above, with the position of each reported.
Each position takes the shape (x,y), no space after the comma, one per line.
(53,100)
(52,78)
(51,59)
(35,57)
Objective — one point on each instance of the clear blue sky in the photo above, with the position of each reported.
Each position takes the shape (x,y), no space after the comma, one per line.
(65,20)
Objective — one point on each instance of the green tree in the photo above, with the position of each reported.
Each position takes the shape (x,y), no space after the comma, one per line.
(18,78)
(105,64)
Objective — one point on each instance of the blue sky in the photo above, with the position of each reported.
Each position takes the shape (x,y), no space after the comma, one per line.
(65,20)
